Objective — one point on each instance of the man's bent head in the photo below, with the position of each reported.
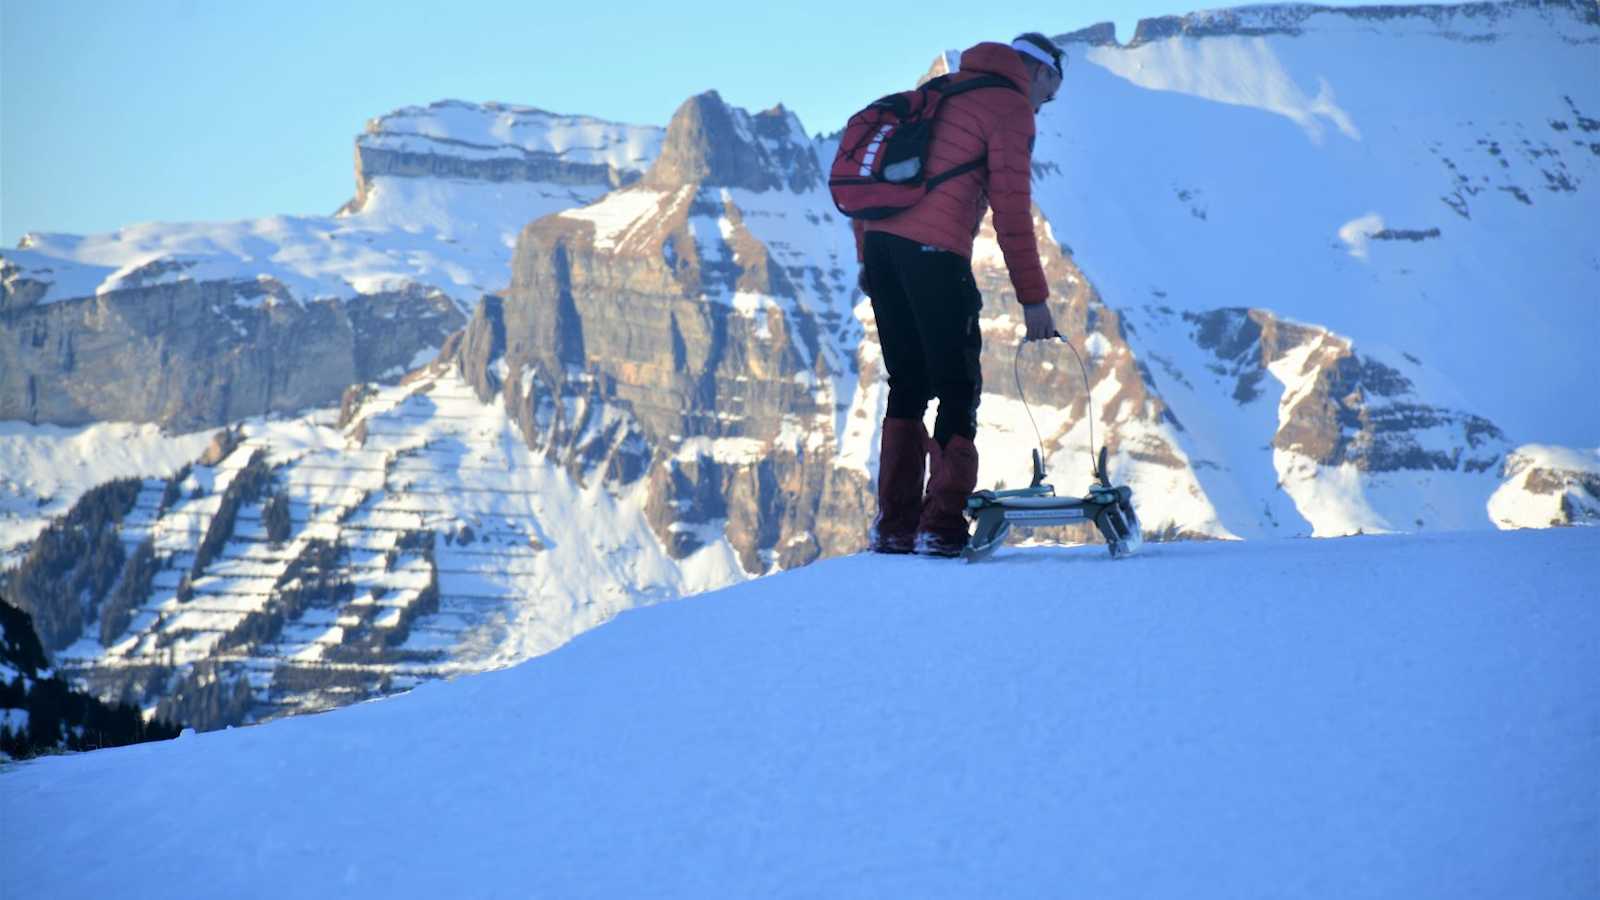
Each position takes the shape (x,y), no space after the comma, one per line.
(1045,64)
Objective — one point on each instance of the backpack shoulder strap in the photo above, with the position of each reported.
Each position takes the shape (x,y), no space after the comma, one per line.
(961,87)
(949,87)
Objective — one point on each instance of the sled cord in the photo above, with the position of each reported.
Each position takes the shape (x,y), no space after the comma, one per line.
(1016,373)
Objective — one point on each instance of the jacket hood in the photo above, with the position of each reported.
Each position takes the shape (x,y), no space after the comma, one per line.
(994,58)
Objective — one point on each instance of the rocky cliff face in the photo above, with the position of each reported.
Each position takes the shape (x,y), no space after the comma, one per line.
(1547,486)
(656,336)
(1341,408)
(714,145)
(189,354)
(196,325)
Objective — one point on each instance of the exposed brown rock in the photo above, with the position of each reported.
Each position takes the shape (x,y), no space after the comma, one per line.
(223,443)
(711,144)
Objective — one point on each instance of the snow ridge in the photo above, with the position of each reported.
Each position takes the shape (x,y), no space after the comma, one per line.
(1576,21)
(499,130)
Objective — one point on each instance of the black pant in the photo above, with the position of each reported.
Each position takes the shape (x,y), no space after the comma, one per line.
(926,303)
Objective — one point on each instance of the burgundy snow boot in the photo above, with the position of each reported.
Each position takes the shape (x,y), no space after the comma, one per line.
(902,460)
(953,473)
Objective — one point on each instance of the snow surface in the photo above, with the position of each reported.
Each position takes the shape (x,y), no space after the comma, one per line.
(44,469)
(1241,170)
(500,130)
(1365,717)
(618,214)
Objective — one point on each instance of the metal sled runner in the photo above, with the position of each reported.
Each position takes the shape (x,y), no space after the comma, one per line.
(1108,506)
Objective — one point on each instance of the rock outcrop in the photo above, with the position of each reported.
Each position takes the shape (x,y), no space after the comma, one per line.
(1548,486)
(1342,408)
(189,355)
(678,347)
(714,145)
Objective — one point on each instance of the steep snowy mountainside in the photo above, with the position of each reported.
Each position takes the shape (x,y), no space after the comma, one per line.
(1353,444)
(1553,485)
(1365,718)
(1413,178)
(45,469)
(1471,22)
(317,561)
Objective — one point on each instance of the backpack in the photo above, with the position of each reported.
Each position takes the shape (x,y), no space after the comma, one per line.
(879,169)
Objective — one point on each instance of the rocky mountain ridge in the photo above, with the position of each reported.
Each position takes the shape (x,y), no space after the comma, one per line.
(200,325)
(1476,22)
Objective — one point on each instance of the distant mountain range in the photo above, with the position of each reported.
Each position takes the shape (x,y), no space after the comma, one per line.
(1333,271)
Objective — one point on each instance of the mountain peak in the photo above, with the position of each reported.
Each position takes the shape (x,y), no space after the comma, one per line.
(712,143)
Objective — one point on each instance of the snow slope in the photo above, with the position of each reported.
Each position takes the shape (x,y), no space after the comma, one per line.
(516,555)
(474,131)
(1408,177)
(44,469)
(1366,717)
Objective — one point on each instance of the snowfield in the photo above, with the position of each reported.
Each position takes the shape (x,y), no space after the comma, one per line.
(1398,716)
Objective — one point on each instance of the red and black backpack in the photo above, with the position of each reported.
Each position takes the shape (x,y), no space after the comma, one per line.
(881,166)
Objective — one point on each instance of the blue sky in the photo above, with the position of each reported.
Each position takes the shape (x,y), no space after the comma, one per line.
(113,113)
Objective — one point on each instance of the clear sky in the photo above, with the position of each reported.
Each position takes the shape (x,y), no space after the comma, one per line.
(113,113)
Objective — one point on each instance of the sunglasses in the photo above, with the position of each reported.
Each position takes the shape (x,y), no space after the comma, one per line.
(1056,74)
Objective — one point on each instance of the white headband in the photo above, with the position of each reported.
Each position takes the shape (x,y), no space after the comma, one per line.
(1034,50)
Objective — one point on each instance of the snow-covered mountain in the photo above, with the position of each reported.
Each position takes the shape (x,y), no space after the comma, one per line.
(1417,179)
(197,324)
(418,539)
(441,192)
(1331,271)
(1370,717)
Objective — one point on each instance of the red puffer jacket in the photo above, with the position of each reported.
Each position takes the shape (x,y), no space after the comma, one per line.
(997,123)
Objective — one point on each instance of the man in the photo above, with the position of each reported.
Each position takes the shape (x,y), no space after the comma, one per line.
(917,268)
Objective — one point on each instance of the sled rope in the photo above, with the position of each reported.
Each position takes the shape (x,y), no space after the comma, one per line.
(1016,373)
